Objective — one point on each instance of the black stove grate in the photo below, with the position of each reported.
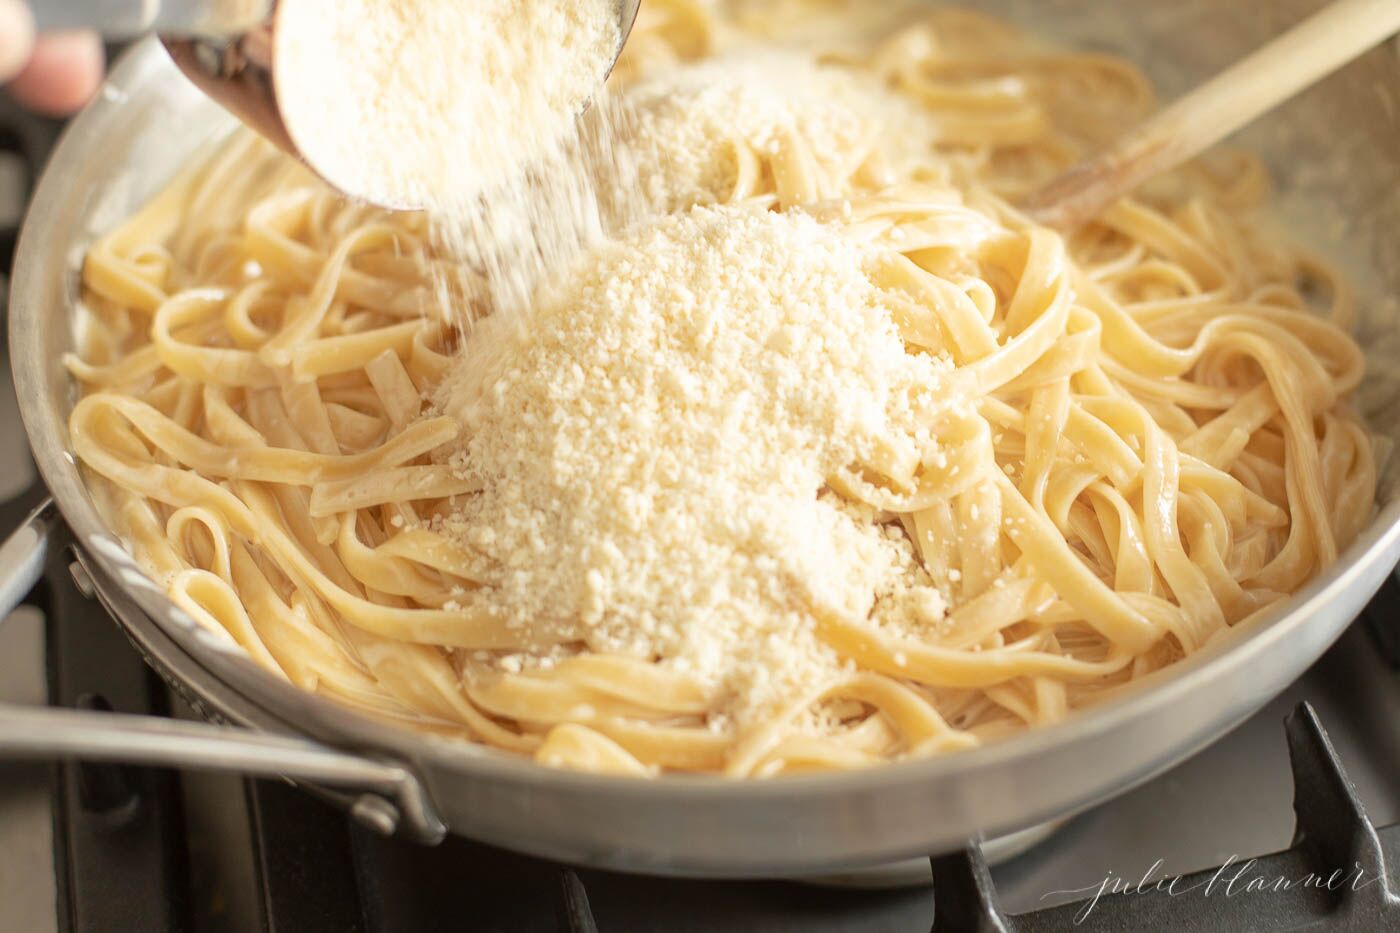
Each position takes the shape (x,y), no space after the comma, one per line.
(1382,622)
(119,858)
(1335,847)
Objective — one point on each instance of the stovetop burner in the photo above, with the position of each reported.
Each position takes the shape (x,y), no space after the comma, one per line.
(107,847)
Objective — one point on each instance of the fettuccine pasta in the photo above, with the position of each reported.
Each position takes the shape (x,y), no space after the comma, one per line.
(1159,446)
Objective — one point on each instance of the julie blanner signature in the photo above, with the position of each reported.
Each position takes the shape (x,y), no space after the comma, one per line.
(1232,879)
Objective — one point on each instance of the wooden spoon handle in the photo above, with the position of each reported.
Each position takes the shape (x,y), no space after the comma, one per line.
(1306,53)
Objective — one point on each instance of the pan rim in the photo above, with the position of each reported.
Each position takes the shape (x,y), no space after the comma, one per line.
(1316,615)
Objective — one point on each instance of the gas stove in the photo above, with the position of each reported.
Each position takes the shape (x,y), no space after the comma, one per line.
(1273,827)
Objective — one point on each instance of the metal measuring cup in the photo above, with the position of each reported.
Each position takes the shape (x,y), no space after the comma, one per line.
(224,47)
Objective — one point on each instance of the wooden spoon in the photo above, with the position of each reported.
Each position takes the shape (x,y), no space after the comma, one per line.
(1300,57)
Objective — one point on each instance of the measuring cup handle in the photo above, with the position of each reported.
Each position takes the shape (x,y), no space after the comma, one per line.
(125,19)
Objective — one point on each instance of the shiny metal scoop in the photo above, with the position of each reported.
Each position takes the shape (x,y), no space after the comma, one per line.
(223,46)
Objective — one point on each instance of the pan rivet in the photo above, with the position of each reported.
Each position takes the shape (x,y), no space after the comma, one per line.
(81,579)
(376,813)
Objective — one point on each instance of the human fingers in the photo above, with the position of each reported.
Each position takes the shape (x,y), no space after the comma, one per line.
(62,74)
(16,37)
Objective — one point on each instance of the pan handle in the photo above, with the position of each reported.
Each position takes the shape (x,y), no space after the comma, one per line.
(23,554)
(390,798)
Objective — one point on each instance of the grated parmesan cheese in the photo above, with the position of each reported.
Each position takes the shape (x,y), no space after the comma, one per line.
(653,451)
(467,109)
(687,122)
(428,102)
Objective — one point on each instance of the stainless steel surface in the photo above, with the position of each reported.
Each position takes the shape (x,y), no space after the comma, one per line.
(238,75)
(148,124)
(41,734)
(123,19)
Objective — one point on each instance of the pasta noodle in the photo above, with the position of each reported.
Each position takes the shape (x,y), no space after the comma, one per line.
(1161,445)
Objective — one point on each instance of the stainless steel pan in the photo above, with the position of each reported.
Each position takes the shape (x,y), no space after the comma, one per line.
(149,122)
